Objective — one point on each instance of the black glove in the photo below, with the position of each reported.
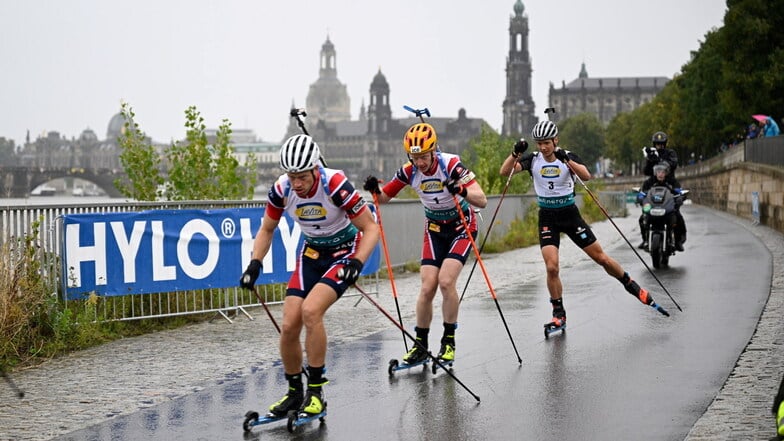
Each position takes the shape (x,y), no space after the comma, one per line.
(456,188)
(371,185)
(561,154)
(248,280)
(520,147)
(652,154)
(350,271)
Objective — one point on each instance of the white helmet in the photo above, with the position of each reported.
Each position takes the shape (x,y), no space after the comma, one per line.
(544,130)
(299,153)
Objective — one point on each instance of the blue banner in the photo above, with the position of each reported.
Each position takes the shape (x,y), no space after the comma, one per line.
(113,254)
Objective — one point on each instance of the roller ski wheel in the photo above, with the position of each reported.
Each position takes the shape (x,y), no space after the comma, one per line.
(554,326)
(252,418)
(446,363)
(395,365)
(297,419)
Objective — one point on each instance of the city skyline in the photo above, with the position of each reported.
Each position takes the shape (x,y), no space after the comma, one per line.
(74,63)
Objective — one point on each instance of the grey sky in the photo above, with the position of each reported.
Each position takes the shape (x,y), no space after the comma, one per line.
(68,64)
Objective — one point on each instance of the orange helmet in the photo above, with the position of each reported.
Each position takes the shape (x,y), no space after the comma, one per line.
(420,138)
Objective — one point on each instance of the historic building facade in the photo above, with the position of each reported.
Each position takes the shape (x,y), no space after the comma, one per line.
(519,107)
(603,97)
(372,143)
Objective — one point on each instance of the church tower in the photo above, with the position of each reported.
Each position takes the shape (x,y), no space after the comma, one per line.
(519,108)
(379,112)
(327,98)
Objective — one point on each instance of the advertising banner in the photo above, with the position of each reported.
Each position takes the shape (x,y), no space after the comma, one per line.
(114,254)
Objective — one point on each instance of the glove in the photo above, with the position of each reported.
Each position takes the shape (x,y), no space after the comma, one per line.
(456,188)
(520,147)
(640,197)
(561,154)
(652,154)
(350,271)
(371,185)
(248,280)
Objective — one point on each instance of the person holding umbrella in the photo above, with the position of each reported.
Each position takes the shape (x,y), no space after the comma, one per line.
(768,126)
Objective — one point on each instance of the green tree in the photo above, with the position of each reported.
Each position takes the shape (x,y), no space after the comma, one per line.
(484,157)
(584,134)
(140,160)
(190,163)
(195,169)
(620,145)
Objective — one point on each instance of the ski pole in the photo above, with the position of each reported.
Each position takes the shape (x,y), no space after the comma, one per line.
(413,339)
(272,319)
(607,215)
(296,113)
(19,393)
(418,112)
(487,234)
(484,272)
(389,264)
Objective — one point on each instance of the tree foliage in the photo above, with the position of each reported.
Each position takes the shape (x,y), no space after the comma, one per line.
(140,160)
(584,134)
(484,157)
(737,71)
(195,169)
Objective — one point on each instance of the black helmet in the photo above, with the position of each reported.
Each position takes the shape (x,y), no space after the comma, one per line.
(659,138)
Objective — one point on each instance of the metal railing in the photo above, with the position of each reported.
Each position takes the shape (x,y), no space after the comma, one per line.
(18,223)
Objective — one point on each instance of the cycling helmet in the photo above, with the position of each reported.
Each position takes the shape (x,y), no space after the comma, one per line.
(420,138)
(544,130)
(299,153)
(659,138)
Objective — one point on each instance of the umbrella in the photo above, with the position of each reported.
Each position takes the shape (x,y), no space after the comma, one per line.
(760,118)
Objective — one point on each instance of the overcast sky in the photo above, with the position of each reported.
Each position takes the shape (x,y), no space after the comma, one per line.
(67,65)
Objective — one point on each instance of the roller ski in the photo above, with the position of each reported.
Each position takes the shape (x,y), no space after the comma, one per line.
(555,325)
(279,410)
(314,407)
(446,357)
(416,356)
(252,418)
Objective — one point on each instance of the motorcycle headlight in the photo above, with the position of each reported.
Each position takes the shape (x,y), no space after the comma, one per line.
(658,211)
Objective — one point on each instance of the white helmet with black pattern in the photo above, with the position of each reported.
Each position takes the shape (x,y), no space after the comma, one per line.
(299,153)
(544,130)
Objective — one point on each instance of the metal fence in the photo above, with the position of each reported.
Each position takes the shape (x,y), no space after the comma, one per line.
(43,224)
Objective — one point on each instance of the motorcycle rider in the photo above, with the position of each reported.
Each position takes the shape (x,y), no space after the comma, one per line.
(663,178)
(660,153)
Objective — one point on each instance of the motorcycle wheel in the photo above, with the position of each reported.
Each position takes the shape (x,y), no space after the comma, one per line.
(656,250)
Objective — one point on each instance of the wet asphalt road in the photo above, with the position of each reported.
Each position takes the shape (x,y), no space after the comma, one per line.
(621,370)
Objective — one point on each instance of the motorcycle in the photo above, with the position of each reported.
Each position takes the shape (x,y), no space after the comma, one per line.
(658,207)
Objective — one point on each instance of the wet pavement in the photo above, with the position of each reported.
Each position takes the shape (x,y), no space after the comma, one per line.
(621,370)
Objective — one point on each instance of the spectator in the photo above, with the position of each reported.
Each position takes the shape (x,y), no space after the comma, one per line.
(769,127)
(752,131)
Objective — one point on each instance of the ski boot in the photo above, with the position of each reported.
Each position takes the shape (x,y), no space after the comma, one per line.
(291,401)
(780,420)
(642,294)
(558,323)
(446,355)
(416,356)
(313,407)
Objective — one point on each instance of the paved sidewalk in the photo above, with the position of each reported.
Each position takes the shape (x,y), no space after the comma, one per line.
(122,377)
